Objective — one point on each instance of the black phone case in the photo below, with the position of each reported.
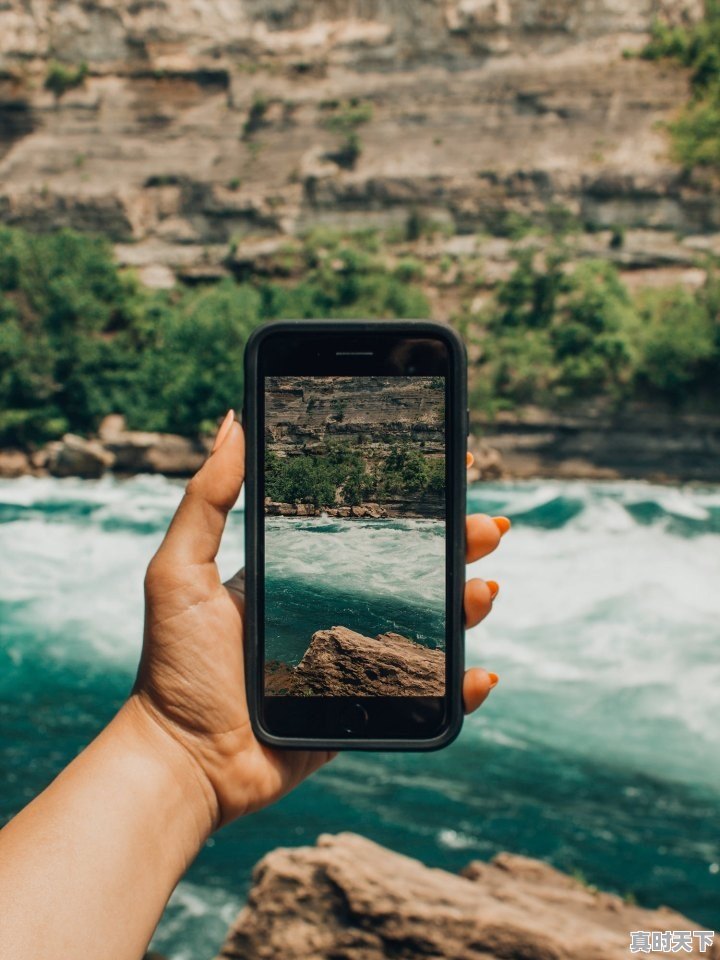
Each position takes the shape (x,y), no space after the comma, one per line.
(456,441)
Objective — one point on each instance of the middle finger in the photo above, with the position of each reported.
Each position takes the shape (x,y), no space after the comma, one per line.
(483,534)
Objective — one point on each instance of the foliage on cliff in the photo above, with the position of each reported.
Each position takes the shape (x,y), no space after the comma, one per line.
(696,131)
(557,334)
(341,475)
(79,338)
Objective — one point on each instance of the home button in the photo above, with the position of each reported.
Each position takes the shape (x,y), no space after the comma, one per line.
(353,719)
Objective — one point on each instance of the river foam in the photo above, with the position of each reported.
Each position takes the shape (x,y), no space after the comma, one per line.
(599,750)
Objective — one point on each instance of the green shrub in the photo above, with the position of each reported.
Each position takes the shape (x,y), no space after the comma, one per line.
(675,339)
(512,224)
(696,131)
(561,221)
(255,119)
(529,297)
(555,335)
(60,77)
(340,475)
(617,237)
(344,119)
(588,333)
(346,116)
(409,269)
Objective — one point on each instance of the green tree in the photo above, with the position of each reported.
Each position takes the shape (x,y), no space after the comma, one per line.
(588,334)
(696,131)
(676,339)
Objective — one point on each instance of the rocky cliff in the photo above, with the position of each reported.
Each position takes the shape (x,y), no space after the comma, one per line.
(203,137)
(201,125)
(379,442)
(663,446)
(303,413)
(349,898)
(340,662)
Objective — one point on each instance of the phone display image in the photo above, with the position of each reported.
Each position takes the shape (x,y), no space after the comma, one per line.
(354,536)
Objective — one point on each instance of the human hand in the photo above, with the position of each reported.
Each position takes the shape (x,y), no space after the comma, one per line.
(191,679)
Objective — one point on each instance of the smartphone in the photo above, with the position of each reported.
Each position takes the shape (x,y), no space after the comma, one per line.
(355,534)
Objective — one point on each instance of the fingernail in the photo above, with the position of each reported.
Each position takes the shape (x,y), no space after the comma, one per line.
(493,679)
(503,524)
(224,430)
(493,586)
(469,460)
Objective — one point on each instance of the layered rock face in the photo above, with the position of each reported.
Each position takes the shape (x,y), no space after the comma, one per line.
(303,413)
(342,663)
(352,899)
(201,124)
(369,416)
(660,446)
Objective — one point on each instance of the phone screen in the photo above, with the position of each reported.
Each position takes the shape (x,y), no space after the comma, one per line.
(354,536)
(356,487)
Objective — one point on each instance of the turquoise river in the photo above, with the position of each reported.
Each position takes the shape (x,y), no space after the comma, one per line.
(599,751)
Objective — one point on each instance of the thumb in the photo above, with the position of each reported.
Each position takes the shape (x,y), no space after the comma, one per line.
(196,529)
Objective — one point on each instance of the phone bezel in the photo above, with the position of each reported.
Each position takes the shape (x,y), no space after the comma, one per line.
(284,347)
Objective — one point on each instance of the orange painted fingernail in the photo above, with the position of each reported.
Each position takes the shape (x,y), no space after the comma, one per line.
(493,679)
(493,587)
(503,524)
(469,459)
(224,430)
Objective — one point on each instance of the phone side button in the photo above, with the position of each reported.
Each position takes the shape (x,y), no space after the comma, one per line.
(353,719)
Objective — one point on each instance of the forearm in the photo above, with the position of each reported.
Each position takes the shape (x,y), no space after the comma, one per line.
(86,869)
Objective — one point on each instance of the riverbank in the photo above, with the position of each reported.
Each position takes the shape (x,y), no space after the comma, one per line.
(367,510)
(637,444)
(114,449)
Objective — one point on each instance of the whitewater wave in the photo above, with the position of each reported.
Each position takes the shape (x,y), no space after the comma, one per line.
(606,630)
(606,622)
(403,558)
(601,737)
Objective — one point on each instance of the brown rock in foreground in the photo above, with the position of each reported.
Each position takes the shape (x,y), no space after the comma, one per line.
(13,463)
(339,662)
(75,456)
(350,899)
(137,451)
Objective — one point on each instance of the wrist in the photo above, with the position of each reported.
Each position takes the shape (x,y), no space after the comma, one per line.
(184,782)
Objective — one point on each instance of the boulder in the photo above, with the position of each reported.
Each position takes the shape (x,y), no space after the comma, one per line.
(374,511)
(75,456)
(13,463)
(350,898)
(39,460)
(138,451)
(157,276)
(488,463)
(339,662)
(273,509)
(111,426)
